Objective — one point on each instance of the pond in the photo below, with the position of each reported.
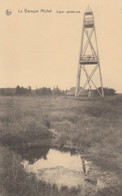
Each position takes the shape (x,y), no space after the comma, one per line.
(60,167)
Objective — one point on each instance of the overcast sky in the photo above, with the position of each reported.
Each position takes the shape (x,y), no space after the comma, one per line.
(43,49)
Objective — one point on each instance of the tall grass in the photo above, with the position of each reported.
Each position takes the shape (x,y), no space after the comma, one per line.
(94,126)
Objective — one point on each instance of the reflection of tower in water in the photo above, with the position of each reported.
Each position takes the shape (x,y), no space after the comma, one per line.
(83,165)
(89,62)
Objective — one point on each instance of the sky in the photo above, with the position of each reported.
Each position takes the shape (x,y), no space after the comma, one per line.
(42,49)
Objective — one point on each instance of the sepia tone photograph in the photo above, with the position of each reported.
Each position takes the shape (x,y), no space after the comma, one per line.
(61,98)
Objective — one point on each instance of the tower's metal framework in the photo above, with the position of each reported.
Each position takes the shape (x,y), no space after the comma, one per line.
(89,56)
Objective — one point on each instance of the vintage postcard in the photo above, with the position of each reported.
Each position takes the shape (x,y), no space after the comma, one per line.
(60,98)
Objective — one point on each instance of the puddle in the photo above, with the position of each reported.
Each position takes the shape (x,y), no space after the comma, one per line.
(56,167)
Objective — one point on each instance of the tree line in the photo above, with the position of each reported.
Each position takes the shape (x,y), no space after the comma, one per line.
(22,91)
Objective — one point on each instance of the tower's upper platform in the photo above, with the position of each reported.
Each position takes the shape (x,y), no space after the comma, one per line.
(88,18)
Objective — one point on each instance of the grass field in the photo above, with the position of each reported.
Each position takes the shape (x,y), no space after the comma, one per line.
(94,126)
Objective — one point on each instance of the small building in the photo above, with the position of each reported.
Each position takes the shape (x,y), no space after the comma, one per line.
(82,91)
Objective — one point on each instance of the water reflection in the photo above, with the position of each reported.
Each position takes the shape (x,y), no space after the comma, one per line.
(34,154)
(61,168)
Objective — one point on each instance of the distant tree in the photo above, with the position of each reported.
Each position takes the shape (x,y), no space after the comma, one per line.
(43,91)
(29,89)
(23,91)
(56,91)
(17,90)
(107,91)
(7,91)
(2,91)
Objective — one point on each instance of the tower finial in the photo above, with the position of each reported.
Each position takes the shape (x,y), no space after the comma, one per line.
(88,9)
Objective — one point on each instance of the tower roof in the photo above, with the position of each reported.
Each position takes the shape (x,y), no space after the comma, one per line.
(88,10)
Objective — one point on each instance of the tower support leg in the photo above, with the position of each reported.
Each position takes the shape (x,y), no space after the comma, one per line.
(78,81)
